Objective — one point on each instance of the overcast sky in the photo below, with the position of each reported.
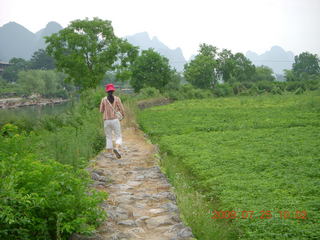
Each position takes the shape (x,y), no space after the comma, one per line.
(239,25)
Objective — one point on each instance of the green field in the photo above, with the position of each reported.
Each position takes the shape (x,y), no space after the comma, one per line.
(245,155)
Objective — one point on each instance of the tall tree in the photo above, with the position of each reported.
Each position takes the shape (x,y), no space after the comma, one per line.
(243,70)
(16,65)
(150,69)
(202,70)
(41,60)
(226,65)
(264,73)
(87,49)
(306,63)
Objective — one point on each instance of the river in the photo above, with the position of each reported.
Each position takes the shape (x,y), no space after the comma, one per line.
(32,113)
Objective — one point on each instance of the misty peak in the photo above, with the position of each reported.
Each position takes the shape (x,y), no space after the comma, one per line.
(277,48)
(276,58)
(13,26)
(143,36)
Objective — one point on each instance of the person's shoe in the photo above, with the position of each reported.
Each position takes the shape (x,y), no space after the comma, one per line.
(115,151)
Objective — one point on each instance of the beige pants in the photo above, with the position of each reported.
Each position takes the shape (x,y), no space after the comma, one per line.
(112,127)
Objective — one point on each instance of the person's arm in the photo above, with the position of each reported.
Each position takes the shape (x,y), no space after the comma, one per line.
(120,106)
(102,105)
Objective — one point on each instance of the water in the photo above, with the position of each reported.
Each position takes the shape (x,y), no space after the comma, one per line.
(31,113)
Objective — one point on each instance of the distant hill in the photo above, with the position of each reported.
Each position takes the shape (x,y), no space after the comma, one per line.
(52,27)
(277,58)
(143,40)
(17,41)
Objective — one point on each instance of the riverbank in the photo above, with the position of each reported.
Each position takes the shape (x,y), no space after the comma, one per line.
(7,103)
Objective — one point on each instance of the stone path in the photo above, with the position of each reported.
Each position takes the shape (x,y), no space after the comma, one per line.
(140,204)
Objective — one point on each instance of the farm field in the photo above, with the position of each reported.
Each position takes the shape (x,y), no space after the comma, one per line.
(255,160)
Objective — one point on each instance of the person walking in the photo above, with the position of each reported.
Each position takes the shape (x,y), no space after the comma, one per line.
(110,107)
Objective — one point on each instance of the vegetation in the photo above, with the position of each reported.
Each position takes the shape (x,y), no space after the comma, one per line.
(41,60)
(243,154)
(250,154)
(86,50)
(44,190)
(150,69)
(305,68)
(200,72)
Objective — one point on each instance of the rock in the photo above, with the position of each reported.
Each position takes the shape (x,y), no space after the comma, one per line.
(122,187)
(117,213)
(98,171)
(125,199)
(155,222)
(141,220)
(157,210)
(185,233)
(176,218)
(134,183)
(127,223)
(167,195)
(140,169)
(107,227)
(119,236)
(124,193)
(95,176)
(140,178)
(136,230)
(141,205)
(169,206)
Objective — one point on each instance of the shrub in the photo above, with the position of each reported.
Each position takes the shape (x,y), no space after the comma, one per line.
(223,90)
(238,88)
(293,86)
(44,193)
(265,86)
(148,92)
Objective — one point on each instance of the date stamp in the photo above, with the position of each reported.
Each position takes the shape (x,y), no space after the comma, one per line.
(264,214)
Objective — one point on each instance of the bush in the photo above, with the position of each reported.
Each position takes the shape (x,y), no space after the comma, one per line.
(313,84)
(44,191)
(294,86)
(238,88)
(223,90)
(43,199)
(265,86)
(148,92)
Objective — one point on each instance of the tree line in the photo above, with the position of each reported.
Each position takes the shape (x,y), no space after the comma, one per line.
(88,51)
(35,76)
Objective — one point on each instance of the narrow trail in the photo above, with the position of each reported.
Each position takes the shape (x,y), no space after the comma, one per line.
(140,204)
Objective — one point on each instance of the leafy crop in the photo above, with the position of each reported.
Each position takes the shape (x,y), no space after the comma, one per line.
(248,154)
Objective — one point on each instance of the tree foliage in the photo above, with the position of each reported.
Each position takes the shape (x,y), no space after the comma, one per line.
(306,67)
(243,68)
(16,64)
(210,67)
(264,73)
(87,49)
(46,83)
(201,71)
(306,63)
(41,60)
(150,69)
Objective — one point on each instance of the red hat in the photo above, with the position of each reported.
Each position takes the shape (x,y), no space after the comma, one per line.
(110,87)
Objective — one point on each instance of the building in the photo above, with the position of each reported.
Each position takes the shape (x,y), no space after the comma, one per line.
(3,65)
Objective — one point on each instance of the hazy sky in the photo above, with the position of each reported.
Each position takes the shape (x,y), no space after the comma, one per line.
(239,25)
